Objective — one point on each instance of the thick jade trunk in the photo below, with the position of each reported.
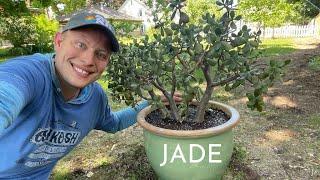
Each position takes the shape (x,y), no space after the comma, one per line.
(195,155)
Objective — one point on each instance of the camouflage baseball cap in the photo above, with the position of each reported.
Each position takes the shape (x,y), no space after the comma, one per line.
(86,19)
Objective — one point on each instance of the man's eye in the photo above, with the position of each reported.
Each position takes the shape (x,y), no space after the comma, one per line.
(80,45)
(102,56)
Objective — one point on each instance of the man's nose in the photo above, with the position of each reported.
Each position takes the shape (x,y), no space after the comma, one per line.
(88,57)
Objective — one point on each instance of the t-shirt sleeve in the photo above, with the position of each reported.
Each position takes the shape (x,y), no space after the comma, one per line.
(17,87)
(117,121)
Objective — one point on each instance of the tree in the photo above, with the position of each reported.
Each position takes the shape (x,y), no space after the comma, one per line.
(42,3)
(70,6)
(307,10)
(14,8)
(19,31)
(170,62)
(26,32)
(269,13)
(16,23)
(196,8)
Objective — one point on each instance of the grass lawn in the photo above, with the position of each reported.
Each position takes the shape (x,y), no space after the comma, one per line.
(4,54)
(3,51)
(2,59)
(274,47)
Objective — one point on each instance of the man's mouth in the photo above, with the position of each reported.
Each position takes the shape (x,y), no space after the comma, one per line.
(81,72)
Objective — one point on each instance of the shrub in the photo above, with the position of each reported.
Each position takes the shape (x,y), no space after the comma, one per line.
(28,34)
(18,30)
(45,31)
(169,62)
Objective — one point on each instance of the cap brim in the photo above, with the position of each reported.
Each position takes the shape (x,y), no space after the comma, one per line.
(115,47)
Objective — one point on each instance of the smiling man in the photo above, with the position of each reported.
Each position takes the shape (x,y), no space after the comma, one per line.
(49,103)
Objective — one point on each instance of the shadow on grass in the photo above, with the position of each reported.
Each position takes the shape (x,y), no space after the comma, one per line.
(276,51)
(276,47)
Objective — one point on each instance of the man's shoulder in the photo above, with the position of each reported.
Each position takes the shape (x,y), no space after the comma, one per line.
(98,88)
(99,91)
(34,69)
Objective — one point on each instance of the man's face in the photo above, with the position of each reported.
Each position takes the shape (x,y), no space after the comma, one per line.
(81,57)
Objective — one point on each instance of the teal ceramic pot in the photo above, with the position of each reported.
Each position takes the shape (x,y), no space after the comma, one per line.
(190,155)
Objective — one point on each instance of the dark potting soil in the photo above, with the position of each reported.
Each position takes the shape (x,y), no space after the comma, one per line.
(212,118)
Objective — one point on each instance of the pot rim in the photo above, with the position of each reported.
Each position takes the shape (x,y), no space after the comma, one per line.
(232,122)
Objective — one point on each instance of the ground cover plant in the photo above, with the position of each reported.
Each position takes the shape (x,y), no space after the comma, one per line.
(314,63)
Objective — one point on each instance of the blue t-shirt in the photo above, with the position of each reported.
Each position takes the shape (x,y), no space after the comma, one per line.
(37,127)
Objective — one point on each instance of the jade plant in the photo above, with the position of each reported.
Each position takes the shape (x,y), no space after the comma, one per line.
(193,59)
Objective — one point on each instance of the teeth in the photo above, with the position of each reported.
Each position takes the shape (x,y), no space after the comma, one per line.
(81,71)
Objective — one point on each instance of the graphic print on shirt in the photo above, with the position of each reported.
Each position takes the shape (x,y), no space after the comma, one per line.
(52,144)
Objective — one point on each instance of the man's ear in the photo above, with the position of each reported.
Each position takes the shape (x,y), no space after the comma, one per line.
(58,40)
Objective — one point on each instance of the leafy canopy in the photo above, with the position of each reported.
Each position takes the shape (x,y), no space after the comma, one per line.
(270,13)
(307,10)
(196,8)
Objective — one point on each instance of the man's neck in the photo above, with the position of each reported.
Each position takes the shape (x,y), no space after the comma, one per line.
(68,92)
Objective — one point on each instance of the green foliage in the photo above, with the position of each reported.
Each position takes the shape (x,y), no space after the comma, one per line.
(171,60)
(307,10)
(74,5)
(269,13)
(18,30)
(195,9)
(42,3)
(16,23)
(28,34)
(271,73)
(124,28)
(71,5)
(4,54)
(45,31)
(238,162)
(314,63)
(239,153)
(13,8)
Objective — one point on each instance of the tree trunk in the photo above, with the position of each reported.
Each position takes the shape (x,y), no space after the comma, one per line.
(202,106)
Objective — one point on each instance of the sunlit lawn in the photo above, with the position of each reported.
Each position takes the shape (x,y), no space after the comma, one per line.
(3,54)
(272,47)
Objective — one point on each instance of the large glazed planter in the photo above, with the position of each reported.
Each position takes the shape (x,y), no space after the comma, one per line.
(190,155)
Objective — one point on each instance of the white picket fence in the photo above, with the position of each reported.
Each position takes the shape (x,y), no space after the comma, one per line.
(311,30)
(290,31)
